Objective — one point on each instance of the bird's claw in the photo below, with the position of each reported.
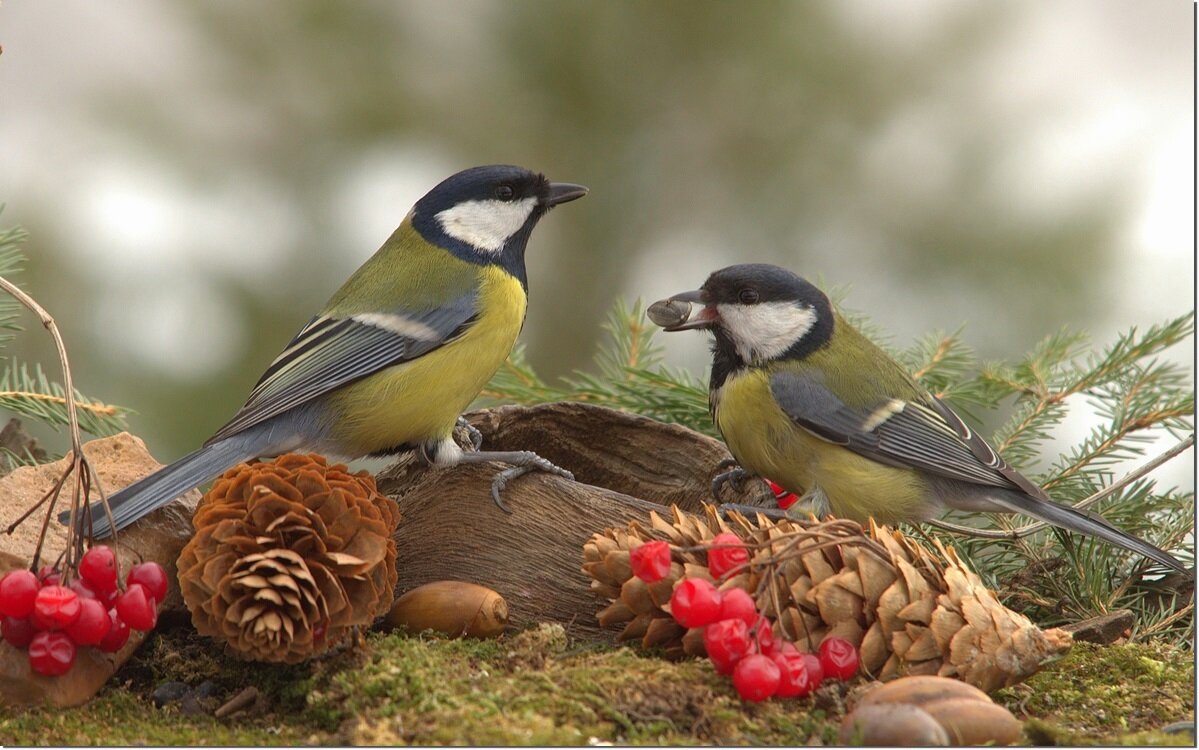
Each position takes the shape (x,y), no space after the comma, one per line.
(526,462)
(733,478)
(472,433)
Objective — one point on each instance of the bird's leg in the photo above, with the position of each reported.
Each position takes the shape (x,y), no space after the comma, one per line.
(472,433)
(733,477)
(522,463)
(813,501)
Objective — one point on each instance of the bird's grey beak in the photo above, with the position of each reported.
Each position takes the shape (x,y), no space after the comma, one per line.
(680,312)
(564,192)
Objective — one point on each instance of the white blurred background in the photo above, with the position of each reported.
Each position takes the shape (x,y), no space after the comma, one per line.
(198,177)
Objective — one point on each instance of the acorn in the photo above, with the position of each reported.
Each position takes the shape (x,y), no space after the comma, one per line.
(891,725)
(454,608)
(966,714)
(919,690)
(973,722)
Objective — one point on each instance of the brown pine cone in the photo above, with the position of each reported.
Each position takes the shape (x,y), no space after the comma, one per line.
(908,610)
(288,555)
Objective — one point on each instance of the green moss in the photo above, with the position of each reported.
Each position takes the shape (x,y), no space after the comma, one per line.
(1108,695)
(533,690)
(118,716)
(538,689)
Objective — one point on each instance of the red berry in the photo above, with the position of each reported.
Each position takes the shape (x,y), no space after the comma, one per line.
(138,608)
(726,642)
(118,634)
(729,555)
(18,589)
(815,668)
(782,496)
(55,607)
(795,678)
(17,630)
(51,653)
(756,677)
(839,658)
(738,604)
(98,567)
(49,576)
(762,635)
(651,561)
(93,623)
(80,587)
(152,576)
(695,603)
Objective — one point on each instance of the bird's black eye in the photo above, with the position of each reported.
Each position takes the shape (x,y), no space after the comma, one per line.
(505,192)
(748,296)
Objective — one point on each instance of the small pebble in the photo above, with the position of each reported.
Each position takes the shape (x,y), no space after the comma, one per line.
(169,692)
(1181,727)
(190,706)
(207,689)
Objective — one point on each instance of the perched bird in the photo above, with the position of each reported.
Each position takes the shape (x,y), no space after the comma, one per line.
(804,398)
(399,352)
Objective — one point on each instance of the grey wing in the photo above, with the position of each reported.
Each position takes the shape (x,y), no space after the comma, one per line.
(333,351)
(922,434)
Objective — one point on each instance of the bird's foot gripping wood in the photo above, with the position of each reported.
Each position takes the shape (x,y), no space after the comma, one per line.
(522,463)
(733,477)
(473,436)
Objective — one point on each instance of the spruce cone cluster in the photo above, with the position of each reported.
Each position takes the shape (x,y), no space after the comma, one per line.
(908,610)
(287,556)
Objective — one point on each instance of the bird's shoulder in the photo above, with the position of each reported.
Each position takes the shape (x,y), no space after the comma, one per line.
(854,368)
(406,273)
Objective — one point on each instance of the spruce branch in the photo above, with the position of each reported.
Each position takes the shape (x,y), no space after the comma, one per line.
(11,260)
(34,395)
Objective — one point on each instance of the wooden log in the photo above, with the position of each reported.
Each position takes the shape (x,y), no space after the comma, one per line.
(634,455)
(452,530)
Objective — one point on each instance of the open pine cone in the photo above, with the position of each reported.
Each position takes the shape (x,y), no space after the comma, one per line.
(908,610)
(288,555)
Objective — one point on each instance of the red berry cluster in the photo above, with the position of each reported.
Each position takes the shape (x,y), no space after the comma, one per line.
(739,640)
(40,614)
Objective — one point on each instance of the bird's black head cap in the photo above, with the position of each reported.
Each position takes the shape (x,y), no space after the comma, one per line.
(485,214)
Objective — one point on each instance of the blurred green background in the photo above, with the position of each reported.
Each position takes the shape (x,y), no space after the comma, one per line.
(198,177)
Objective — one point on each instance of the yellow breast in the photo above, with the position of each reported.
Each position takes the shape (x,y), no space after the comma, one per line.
(420,400)
(766,442)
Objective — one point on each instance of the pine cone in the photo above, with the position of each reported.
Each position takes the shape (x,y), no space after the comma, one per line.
(908,610)
(288,555)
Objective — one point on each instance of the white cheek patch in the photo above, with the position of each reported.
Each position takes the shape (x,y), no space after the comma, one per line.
(764,331)
(486,225)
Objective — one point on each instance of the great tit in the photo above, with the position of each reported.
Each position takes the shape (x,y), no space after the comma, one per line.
(804,398)
(400,350)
